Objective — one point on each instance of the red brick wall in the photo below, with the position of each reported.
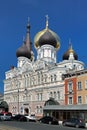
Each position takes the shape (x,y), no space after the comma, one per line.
(74,93)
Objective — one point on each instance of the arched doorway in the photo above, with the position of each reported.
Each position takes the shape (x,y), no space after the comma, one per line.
(4,106)
(26,111)
(50,103)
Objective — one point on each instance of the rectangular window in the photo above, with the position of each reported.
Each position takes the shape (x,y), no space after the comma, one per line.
(70,86)
(54,95)
(79,99)
(49,53)
(79,87)
(51,94)
(55,77)
(45,53)
(39,97)
(38,78)
(86,99)
(58,93)
(86,84)
(70,100)
(52,78)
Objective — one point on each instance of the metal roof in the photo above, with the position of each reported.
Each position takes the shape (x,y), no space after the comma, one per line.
(66,107)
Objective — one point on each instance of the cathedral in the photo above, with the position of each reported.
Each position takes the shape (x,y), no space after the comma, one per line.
(35,82)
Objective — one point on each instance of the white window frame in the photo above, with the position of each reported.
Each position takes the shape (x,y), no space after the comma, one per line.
(86,99)
(70,86)
(79,85)
(85,84)
(70,101)
(79,99)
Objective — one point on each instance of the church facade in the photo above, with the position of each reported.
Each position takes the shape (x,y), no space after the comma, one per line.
(33,82)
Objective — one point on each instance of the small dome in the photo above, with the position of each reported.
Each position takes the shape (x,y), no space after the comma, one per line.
(23,51)
(67,54)
(47,36)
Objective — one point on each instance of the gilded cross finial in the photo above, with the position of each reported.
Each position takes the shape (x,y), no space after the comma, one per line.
(47,21)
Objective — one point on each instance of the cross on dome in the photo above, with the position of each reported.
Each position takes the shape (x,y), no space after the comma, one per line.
(47,18)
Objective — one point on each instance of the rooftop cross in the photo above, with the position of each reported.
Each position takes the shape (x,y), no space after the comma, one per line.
(47,21)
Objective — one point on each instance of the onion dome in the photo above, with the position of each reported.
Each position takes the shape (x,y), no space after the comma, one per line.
(25,49)
(47,36)
(68,52)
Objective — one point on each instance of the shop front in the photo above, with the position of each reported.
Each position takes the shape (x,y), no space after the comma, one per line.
(63,112)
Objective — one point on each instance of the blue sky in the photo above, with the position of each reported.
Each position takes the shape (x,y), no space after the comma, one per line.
(68,18)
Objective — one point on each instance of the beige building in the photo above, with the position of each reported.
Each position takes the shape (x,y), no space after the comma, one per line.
(82,87)
(28,86)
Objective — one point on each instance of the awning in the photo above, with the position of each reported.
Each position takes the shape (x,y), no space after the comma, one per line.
(66,107)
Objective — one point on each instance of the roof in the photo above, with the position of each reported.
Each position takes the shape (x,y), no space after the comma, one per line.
(66,107)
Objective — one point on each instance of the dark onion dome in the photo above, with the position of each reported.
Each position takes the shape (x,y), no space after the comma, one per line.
(67,54)
(47,36)
(25,49)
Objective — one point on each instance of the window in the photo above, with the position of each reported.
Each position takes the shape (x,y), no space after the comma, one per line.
(39,97)
(79,99)
(51,78)
(79,85)
(51,94)
(49,53)
(55,77)
(41,109)
(42,78)
(45,53)
(86,99)
(70,86)
(70,100)
(38,78)
(45,78)
(37,109)
(86,84)
(41,56)
(58,93)
(54,95)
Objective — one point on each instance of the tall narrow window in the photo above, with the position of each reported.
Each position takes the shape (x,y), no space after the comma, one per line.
(51,78)
(86,99)
(51,94)
(79,87)
(58,93)
(38,78)
(55,77)
(41,109)
(86,84)
(70,100)
(79,99)
(70,86)
(37,109)
(54,95)
(49,53)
